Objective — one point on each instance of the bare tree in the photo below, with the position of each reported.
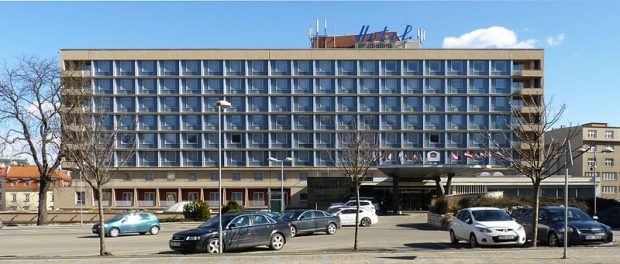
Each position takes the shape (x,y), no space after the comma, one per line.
(29,112)
(359,152)
(531,154)
(91,143)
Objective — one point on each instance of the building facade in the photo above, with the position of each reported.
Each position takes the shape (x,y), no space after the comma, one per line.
(429,106)
(21,188)
(600,142)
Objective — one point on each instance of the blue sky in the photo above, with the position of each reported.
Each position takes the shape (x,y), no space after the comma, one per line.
(580,38)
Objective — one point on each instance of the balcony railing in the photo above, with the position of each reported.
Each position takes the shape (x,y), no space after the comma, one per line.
(124,203)
(165,203)
(213,204)
(105,203)
(146,203)
(257,203)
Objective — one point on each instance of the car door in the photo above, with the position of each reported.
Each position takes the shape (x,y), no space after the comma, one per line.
(347,216)
(466,226)
(239,232)
(305,222)
(544,222)
(320,220)
(261,227)
(457,224)
(130,223)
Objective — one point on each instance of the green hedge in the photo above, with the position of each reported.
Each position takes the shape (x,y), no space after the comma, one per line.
(197,211)
(232,207)
(441,205)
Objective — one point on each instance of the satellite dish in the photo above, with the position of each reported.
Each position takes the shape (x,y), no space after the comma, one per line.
(497,174)
(485,174)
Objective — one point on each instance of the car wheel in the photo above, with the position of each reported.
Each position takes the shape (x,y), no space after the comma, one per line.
(293,231)
(453,240)
(554,241)
(154,230)
(213,245)
(114,232)
(331,229)
(365,222)
(276,242)
(473,242)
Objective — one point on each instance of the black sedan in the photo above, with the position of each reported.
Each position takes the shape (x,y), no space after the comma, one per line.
(309,221)
(582,229)
(240,230)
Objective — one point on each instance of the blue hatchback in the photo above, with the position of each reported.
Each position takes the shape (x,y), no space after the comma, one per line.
(130,222)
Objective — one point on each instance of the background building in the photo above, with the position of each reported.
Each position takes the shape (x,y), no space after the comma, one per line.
(21,188)
(429,106)
(600,140)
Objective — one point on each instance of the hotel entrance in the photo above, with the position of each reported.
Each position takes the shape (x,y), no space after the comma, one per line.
(416,199)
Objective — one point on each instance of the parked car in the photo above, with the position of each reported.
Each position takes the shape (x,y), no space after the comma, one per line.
(240,230)
(485,226)
(582,229)
(1,224)
(347,216)
(130,222)
(309,221)
(364,204)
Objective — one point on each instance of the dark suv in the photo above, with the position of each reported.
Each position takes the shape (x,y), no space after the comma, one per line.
(582,229)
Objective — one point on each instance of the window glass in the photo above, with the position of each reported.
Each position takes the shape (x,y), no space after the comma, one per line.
(147,68)
(169,67)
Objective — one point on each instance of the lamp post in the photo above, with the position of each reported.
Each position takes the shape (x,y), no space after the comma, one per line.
(593,168)
(281,179)
(222,104)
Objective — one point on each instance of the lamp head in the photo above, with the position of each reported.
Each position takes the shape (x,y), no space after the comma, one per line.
(273,159)
(222,104)
(288,159)
(608,149)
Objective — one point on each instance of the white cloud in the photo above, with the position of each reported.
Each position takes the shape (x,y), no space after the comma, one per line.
(556,40)
(492,37)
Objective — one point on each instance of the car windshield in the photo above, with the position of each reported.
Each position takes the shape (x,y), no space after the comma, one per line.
(490,215)
(333,210)
(289,215)
(214,222)
(574,214)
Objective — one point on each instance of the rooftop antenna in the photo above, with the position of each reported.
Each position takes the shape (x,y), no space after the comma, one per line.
(310,35)
(325,33)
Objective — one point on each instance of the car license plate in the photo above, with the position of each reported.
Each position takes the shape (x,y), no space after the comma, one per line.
(175,244)
(506,237)
(594,237)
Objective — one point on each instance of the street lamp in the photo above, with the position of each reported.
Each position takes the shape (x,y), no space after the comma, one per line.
(281,179)
(593,168)
(221,104)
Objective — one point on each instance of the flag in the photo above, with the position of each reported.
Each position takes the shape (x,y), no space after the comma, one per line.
(414,157)
(382,156)
(499,156)
(374,156)
(405,157)
(468,154)
(389,156)
(400,156)
(476,156)
(453,157)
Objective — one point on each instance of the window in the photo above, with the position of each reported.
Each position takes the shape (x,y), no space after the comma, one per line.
(413,68)
(348,67)
(609,162)
(147,104)
(391,67)
(147,68)
(26,182)
(610,189)
(103,68)
(237,197)
(214,177)
(235,138)
(126,176)
(303,67)
(478,85)
(456,67)
(435,67)
(169,86)
(236,176)
(280,67)
(13,197)
(235,67)
(591,133)
(125,86)
(303,176)
(609,134)
(281,86)
(258,176)
(214,86)
(191,104)
(258,67)
(347,86)
(326,85)
(325,67)
(169,68)
(124,68)
(125,104)
(303,86)
(611,176)
(169,158)
(148,158)
(391,86)
(147,86)
(26,197)
(103,86)
(591,162)
(191,67)
(191,86)
(148,176)
(80,198)
(170,176)
(213,67)
(499,67)
(369,85)
(413,86)
(479,67)
(369,67)
(258,198)
(192,177)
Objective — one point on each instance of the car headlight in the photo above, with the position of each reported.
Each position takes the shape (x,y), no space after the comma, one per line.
(561,230)
(520,228)
(192,238)
(485,230)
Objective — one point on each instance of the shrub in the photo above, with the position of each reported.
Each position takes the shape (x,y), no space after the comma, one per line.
(439,206)
(232,207)
(197,211)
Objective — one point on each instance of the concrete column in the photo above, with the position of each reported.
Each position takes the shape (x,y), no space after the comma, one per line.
(223,194)
(202,194)
(179,195)
(157,198)
(113,202)
(246,199)
(449,183)
(269,199)
(135,197)
(440,190)
(395,195)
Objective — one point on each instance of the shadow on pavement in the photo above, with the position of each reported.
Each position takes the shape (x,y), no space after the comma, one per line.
(240,250)
(400,257)
(419,226)
(430,245)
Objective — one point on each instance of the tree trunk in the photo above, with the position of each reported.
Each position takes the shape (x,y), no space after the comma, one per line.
(42,210)
(102,249)
(357,211)
(449,184)
(535,213)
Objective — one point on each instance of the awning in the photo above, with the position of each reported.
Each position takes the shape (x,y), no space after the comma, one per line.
(430,171)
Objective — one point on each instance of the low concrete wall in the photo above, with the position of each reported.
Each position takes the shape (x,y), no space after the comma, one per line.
(442,222)
(19,218)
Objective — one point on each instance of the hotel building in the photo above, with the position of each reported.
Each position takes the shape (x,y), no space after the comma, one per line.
(428,106)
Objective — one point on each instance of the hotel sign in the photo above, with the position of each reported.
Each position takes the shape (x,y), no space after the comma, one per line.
(407,35)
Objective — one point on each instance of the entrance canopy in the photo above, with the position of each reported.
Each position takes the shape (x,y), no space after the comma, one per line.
(430,171)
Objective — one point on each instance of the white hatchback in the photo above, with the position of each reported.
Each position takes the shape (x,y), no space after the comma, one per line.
(485,226)
(364,204)
(347,216)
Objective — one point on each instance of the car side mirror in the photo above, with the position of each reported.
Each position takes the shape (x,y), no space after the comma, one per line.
(469,221)
(231,226)
(302,217)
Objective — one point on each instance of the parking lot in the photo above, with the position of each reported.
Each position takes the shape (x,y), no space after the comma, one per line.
(393,235)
